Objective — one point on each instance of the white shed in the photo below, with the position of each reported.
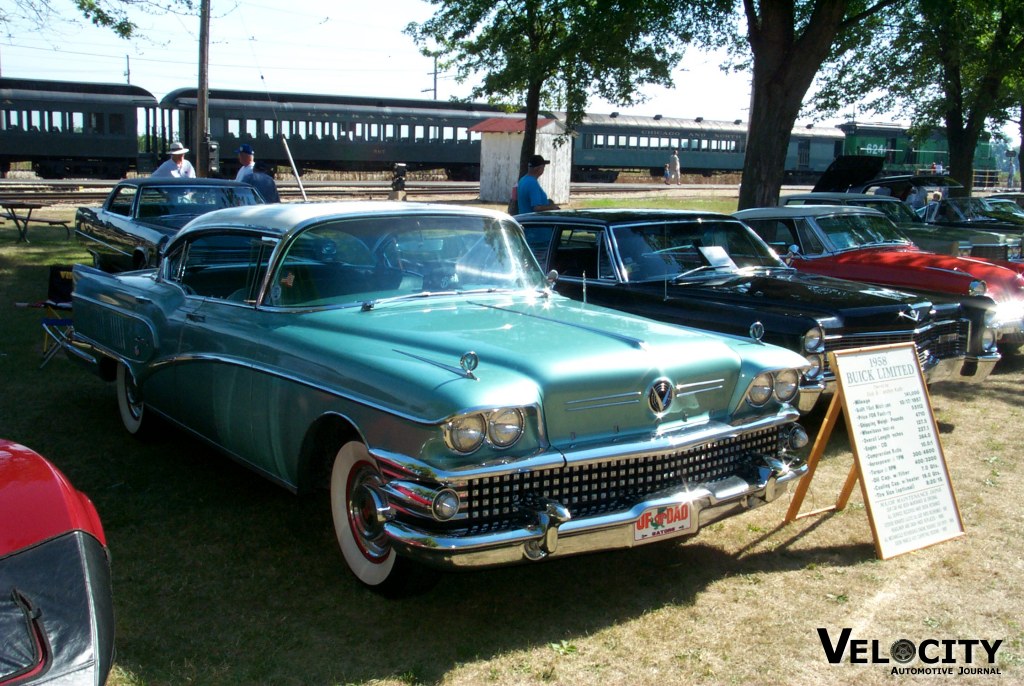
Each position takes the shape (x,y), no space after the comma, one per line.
(500,145)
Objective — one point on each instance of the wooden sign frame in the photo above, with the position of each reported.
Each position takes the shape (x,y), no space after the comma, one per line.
(898,458)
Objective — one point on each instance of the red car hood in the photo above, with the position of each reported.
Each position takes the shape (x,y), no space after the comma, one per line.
(918,270)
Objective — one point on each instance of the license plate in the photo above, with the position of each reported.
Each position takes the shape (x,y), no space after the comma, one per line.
(662,521)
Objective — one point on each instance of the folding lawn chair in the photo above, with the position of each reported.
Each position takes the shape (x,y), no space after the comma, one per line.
(58,324)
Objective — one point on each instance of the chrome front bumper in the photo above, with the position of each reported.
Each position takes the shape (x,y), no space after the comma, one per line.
(554,533)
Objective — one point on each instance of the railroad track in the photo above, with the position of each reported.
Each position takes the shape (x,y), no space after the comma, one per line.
(94,193)
(87,192)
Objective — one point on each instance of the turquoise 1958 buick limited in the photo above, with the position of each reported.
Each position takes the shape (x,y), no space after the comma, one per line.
(413,360)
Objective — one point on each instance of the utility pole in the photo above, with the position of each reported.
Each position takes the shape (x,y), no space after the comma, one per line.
(434,73)
(128,70)
(202,134)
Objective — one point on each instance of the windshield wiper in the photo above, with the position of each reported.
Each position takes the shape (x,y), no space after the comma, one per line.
(370,304)
(702,268)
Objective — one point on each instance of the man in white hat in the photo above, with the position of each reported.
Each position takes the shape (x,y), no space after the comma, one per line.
(177,166)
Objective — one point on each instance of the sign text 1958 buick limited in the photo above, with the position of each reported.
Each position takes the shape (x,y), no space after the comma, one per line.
(413,360)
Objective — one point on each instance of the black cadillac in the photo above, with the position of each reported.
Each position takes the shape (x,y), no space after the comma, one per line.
(709,270)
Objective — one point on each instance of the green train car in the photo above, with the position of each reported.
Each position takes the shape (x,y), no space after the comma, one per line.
(906,155)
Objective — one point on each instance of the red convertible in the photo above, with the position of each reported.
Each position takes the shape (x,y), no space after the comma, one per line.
(56,609)
(862,244)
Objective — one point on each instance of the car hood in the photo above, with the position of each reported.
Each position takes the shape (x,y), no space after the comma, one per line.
(589,368)
(859,173)
(796,294)
(847,171)
(918,270)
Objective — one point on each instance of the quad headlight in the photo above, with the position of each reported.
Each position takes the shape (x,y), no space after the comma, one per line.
(815,365)
(814,340)
(787,385)
(783,385)
(502,428)
(977,287)
(988,340)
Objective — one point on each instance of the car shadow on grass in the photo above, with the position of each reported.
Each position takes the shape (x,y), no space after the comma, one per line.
(217,572)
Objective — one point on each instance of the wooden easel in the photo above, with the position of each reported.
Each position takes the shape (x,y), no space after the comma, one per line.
(897,456)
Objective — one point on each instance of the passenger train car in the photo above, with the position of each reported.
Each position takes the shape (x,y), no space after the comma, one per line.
(86,130)
(70,129)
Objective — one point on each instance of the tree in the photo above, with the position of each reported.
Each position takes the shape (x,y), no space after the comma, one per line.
(554,53)
(111,14)
(788,41)
(950,63)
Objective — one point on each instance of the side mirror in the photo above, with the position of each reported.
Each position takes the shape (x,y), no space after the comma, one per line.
(792,252)
(552,277)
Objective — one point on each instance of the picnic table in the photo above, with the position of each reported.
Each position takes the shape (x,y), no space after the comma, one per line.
(20,212)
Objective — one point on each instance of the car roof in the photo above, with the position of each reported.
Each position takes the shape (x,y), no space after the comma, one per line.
(803,211)
(622,215)
(846,197)
(283,218)
(146,181)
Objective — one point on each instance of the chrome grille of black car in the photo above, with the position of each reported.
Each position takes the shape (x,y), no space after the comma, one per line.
(990,252)
(496,502)
(942,340)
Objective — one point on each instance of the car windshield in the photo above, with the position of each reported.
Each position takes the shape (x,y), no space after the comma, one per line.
(369,259)
(668,249)
(898,212)
(849,231)
(162,201)
(1006,207)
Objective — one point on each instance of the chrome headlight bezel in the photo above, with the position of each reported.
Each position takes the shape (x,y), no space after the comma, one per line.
(505,427)
(787,385)
(989,339)
(500,428)
(816,365)
(782,384)
(466,433)
(813,340)
(761,389)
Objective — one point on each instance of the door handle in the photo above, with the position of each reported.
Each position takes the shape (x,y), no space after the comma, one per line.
(192,317)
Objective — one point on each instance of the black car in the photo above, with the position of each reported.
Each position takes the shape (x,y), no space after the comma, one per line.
(140,215)
(711,271)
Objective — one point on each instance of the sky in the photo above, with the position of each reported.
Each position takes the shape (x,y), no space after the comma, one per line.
(336,47)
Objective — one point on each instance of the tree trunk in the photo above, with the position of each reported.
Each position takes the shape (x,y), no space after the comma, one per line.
(1020,151)
(530,131)
(772,116)
(785,63)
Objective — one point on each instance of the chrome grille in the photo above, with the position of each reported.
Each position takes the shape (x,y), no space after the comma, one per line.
(594,488)
(942,340)
(990,252)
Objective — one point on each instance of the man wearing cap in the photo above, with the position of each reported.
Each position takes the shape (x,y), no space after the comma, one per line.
(532,197)
(246,161)
(177,166)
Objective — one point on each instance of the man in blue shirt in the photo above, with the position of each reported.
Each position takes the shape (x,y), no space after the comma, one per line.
(532,197)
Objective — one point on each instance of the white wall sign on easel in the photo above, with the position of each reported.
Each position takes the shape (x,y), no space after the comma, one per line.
(897,455)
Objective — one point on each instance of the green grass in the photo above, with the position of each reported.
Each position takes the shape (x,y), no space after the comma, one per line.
(223,578)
